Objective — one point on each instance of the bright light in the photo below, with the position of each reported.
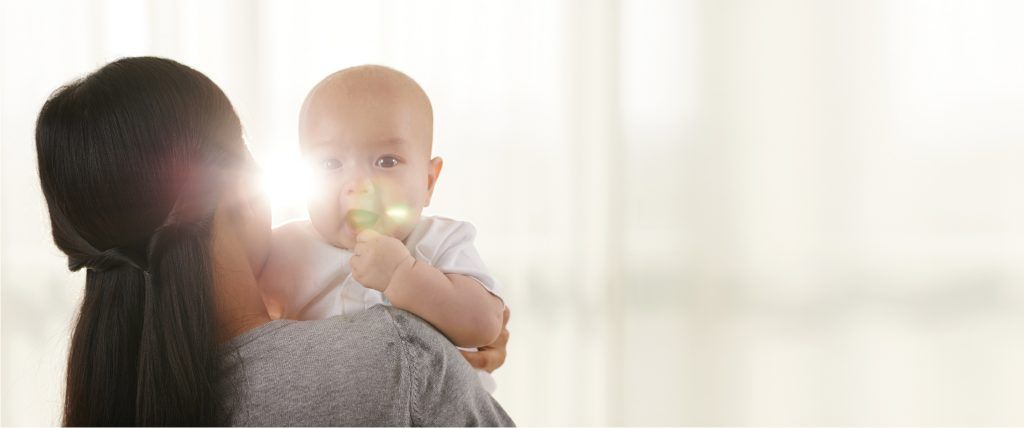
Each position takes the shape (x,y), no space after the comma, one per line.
(398,213)
(288,183)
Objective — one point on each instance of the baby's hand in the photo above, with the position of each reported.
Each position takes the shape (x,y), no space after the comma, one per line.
(376,257)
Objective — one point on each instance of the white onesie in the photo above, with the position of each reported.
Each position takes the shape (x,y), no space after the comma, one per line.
(320,277)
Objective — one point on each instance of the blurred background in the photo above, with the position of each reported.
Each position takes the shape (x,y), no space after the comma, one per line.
(771,212)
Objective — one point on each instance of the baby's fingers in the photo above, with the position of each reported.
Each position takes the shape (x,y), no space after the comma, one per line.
(501,341)
(478,360)
(368,235)
(360,259)
(486,359)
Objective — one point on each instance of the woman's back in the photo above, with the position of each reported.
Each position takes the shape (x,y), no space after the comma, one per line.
(383,366)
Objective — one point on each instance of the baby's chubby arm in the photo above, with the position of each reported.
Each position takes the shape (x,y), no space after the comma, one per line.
(457,305)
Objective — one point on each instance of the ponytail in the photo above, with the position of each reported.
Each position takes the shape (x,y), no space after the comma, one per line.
(143,351)
(178,364)
(103,360)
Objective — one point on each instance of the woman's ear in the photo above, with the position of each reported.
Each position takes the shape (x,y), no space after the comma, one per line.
(243,198)
(434,171)
(256,198)
(247,212)
(259,227)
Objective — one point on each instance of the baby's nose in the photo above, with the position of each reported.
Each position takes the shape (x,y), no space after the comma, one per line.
(361,186)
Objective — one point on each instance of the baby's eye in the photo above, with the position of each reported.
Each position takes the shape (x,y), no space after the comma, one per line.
(330,164)
(387,162)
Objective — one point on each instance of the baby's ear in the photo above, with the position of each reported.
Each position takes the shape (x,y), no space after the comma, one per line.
(433,171)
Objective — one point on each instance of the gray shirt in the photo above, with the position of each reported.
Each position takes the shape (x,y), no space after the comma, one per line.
(383,366)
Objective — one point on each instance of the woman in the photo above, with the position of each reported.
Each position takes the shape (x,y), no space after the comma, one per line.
(149,188)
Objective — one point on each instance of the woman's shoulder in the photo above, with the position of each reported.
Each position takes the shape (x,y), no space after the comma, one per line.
(344,333)
(382,366)
(333,332)
(322,372)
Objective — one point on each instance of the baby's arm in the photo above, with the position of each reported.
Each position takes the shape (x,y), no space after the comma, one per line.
(457,305)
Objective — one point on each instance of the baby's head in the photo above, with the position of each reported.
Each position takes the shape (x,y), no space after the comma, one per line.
(367,132)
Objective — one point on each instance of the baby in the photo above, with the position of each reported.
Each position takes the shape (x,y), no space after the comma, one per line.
(367,133)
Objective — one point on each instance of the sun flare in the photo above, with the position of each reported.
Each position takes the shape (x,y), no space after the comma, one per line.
(288,183)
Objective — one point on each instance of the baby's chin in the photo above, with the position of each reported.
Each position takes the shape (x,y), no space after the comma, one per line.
(345,244)
(334,234)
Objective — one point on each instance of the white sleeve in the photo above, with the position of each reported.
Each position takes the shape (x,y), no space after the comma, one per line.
(448,246)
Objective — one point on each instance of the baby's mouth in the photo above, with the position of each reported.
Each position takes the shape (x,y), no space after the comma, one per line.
(360,220)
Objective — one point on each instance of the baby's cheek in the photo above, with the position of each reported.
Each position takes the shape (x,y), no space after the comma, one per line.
(401,234)
(327,220)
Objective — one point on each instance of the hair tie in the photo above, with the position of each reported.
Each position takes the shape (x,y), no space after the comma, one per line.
(110,259)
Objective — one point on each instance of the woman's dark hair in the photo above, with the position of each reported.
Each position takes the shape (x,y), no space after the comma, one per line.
(130,160)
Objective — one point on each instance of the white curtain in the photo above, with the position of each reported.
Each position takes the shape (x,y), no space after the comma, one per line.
(763,212)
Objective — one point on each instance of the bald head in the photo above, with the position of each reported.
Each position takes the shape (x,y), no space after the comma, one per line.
(371,92)
(367,133)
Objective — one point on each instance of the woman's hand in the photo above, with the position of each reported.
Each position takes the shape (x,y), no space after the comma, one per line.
(490,357)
